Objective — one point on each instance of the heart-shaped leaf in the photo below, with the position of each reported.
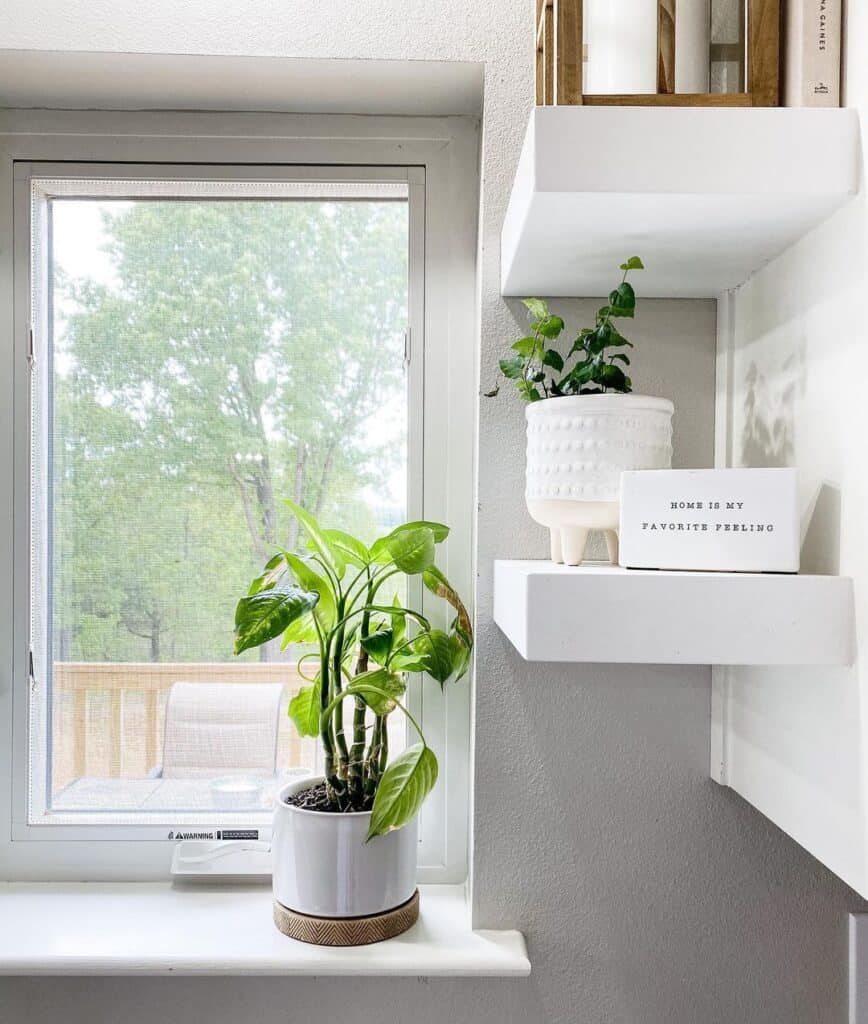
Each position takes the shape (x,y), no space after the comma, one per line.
(435,649)
(550,326)
(262,617)
(402,789)
(412,551)
(512,368)
(379,645)
(353,550)
(526,346)
(536,308)
(304,710)
(310,579)
(380,548)
(379,689)
(633,263)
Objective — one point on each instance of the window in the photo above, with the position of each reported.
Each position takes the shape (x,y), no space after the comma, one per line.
(202,349)
(203,341)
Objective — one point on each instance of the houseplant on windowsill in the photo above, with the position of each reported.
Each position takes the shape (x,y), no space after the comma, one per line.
(584,424)
(344,845)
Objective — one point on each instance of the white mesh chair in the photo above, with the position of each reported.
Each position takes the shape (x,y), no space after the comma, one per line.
(220,728)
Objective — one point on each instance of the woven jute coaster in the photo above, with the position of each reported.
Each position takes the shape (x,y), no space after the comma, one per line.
(347,931)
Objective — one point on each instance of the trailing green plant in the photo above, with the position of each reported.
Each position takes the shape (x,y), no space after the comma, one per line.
(591,366)
(342,597)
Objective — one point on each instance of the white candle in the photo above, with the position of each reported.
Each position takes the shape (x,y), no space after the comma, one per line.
(621,36)
(692,44)
(622,46)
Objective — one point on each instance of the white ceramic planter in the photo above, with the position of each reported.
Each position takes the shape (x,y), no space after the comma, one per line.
(322,866)
(577,448)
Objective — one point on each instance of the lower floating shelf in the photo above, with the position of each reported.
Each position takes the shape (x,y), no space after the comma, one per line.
(602,613)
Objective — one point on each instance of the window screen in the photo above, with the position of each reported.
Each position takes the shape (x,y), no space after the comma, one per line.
(202,350)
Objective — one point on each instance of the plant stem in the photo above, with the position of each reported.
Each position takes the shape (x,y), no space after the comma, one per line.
(357,751)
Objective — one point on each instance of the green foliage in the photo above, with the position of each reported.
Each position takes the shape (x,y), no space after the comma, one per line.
(403,788)
(236,352)
(594,368)
(335,589)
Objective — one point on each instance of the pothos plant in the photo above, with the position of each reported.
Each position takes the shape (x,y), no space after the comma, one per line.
(540,371)
(342,597)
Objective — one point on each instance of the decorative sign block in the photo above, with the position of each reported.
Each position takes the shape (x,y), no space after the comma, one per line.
(725,520)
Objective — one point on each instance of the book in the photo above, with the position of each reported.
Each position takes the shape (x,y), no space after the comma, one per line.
(813,53)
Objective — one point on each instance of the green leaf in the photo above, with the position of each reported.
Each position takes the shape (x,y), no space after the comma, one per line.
(262,617)
(462,646)
(309,579)
(512,368)
(435,647)
(399,624)
(379,689)
(412,551)
(549,326)
(402,789)
(526,346)
(537,308)
(379,645)
(302,631)
(527,391)
(319,542)
(353,550)
(304,710)
(616,339)
(271,573)
(598,341)
(406,661)
(380,552)
(553,359)
(633,263)
(437,583)
(612,377)
(623,300)
(625,359)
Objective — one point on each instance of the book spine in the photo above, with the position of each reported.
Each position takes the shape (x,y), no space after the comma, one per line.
(813,55)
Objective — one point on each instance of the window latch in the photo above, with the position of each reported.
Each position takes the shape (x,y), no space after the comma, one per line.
(406,348)
(31,354)
(31,672)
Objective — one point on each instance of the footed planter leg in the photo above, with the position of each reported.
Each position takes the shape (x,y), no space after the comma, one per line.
(573,541)
(612,545)
(557,556)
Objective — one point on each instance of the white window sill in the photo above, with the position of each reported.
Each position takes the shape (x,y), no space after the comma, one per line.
(160,929)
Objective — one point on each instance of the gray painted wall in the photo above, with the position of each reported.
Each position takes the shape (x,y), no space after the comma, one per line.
(647,894)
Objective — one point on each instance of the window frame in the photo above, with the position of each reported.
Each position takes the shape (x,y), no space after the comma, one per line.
(440,159)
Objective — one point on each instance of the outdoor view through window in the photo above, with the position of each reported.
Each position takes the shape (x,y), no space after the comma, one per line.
(204,354)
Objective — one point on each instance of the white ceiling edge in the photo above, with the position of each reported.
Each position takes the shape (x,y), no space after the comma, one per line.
(77,80)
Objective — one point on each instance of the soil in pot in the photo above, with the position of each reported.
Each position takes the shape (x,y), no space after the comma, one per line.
(315,799)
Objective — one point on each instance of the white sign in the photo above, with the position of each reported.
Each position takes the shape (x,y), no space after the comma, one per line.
(727,520)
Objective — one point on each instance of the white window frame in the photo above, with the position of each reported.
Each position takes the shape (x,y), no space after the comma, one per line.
(439,159)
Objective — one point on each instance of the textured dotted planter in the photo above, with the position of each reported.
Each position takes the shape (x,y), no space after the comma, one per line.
(577,448)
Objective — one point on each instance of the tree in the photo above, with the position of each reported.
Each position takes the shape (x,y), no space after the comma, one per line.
(237,357)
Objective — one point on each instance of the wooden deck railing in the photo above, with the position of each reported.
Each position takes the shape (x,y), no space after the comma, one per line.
(108,716)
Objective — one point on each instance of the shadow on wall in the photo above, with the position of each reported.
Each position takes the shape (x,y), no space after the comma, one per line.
(767,437)
(821,547)
(768,440)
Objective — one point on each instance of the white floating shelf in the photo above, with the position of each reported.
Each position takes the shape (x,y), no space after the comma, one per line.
(602,613)
(706,196)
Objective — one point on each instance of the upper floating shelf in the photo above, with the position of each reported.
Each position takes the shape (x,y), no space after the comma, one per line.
(602,613)
(706,196)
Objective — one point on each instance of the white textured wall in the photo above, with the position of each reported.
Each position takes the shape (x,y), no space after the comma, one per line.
(648,895)
(798,747)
